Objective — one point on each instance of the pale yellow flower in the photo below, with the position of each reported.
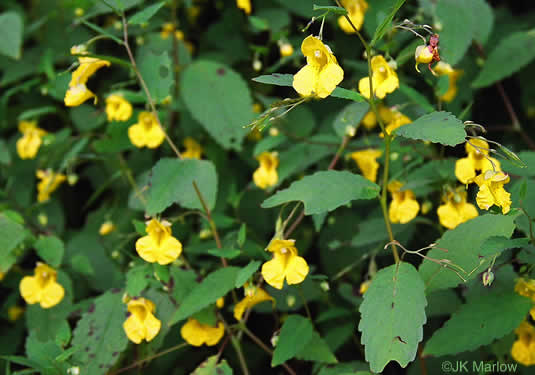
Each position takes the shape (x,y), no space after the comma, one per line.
(322,73)
(397,120)
(404,206)
(78,94)
(478,159)
(384,79)
(50,181)
(193,149)
(159,245)
(286,49)
(491,191)
(523,349)
(253,296)
(197,334)
(146,132)
(443,68)
(78,91)
(526,288)
(422,55)
(42,287)
(141,323)
(266,175)
(455,210)
(118,108)
(106,228)
(356,9)
(28,145)
(367,162)
(285,265)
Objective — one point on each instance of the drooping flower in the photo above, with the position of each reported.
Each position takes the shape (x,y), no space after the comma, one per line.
(141,323)
(118,108)
(443,68)
(356,9)
(253,296)
(397,120)
(422,55)
(159,245)
(244,5)
(146,132)
(478,159)
(491,191)
(193,149)
(197,334)
(404,206)
(286,49)
(322,73)
(523,349)
(28,145)
(384,79)
(106,228)
(455,210)
(50,181)
(78,94)
(367,162)
(42,287)
(285,265)
(266,175)
(369,121)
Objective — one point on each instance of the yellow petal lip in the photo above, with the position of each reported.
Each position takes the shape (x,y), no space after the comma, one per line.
(159,245)
(266,174)
(141,323)
(403,207)
(259,295)
(118,108)
(285,265)
(197,334)
(384,79)
(42,288)
(146,132)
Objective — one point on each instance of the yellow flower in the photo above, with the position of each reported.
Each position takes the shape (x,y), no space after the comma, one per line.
(253,296)
(14,313)
(245,5)
(384,79)
(355,11)
(266,175)
(78,94)
(367,162)
(50,181)
(478,159)
(286,264)
(141,323)
(404,206)
(397,120)
(370,121)
(28,145)
(159,245)
(364,287)
(196,333)
(167,29)
(106,228)
(422,55)
(456,210)
(118,108)
(532,312)
(523,349)
(526,288)
(146,132)
(286,49)
(491,191)
(42,287)
(443,68)
(220,303)
(193,149)
(322,73)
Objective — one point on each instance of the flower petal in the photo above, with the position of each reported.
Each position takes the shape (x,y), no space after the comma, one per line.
(273,273)
(146,248)
(296,270)
(329,77)
(134,329)
(52,295)
(464,170)
(305,80)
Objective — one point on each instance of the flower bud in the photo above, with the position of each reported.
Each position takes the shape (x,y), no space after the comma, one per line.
(274,340)
(426,207)
(79,12)
(42,219)
(364,287)
(350,131)
(72,179)
(290,300)
(286,49)
(257,65)
(273,131)
(324,285)
(422,55)
(488,277)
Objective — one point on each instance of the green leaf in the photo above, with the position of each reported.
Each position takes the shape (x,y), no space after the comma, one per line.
(156,70)
(219,99)
(246,272)
(34,113)
(212,367)
(325,191)
(479,322)
(350,115)
(317,350)
(146,14)
(44,353)
(214,286)
(277,79)
(101,335)
(527,157)
(242,235)
(228,253)
(330,8)
(172,182)
(11,27)
(393,315)
(482,18)
(457,29)
(462,252)
(342,93)
(11,235)
(383,26)
(295,334)
(510,55)
(50,249)
(437,127)
(137,279)
(416,97)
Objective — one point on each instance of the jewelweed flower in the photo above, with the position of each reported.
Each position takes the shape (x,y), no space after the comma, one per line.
(244,5)
(266,175)
(356,9)
(118,108)
(197,334)
(14,313)
(193,149)
(146,132)
(369,121)
(285,265)
(367,162)
(397,120)
(523,349)
(168,28)
(443,68)
(220,303)
(106,228)
(253,296)
(526,288)
(320,76)
(478,159)
(141,323)
(28,145)
(404,206)
(42,287)
(384,79)
(491,191)
(286,49)
(422,55)
(159,245)
(50,181)
(78,94)
(455,210)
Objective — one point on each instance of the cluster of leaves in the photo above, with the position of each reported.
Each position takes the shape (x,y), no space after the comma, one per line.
(205,85)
